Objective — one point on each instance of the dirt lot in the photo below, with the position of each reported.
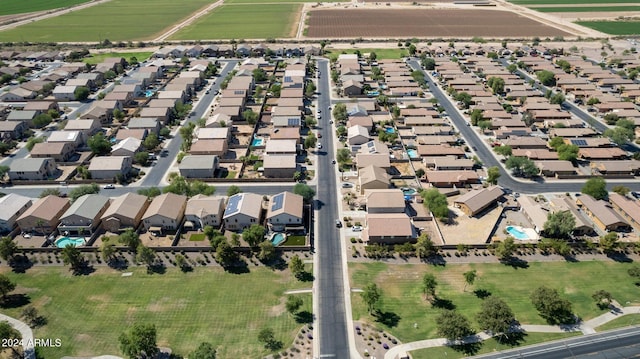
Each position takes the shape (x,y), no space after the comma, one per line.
(469,230)
(419,22)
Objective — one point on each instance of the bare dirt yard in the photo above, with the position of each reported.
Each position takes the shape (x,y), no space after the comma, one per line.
(423,22)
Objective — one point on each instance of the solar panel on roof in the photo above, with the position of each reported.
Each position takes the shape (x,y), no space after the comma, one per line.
(238,92)
(579,142)
(233,206)
(293,122)
(370,144)
(278,201)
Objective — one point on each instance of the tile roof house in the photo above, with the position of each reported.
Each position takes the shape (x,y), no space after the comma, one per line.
(124,212)
(73,137)
(372,177)
(32,169)
(165,212)
(628,208)
(109,167)
(44,215)
(12,206)
(59,151)
(199,166)
(388,228)
(83,217)
(385,200)
(451,178)
(209,147)
(357,135)
(127,147)
(204,211)
(284,210)
(243,210)
(602,214)
(12,130)
(279,165)
(476,201)
(556,168)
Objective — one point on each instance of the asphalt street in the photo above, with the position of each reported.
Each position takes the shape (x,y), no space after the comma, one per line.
(331,316)
(485,154)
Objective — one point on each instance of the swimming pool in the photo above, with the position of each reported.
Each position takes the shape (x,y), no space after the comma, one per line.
(256,142)
(413,153)
(278,238)
(518,233)
(149,93)
(65,241)
(389,130)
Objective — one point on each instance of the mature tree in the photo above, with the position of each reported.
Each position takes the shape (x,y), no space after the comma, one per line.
(203,351)
(130,239)
(139,341)
(512,68)
(250,116)
(293,304)
(253,234)
(559,224)
(453,325)
(557,99)
(146,255)
(81,93)
(310,121)
(609,242)
(504,150)
(568,152)
(150,192)
(186,132)
(595,187)
(107,250)
(267,251)
(309,89)
(267,336)
(6,286)
(634,272)
(141,158)
(495,315)
(259,75)
(619,135)
(610,118)
(420,173)
(469,278)
(371,296)
(435,202)
(521,166)
(602,298)
(73,257)
(151,141)
(493,173)
(343,155)
(8,248)
(505,249)
(340,112)
(476,116)
(296,266)
(428,63)
(31,315)
(8,332)
(496,84)
(180,185)
(32,141)
(425,247)
(429,284)
(310,141)
(99,144)
(233,189)
(551,306)
(4,148)
(225,255)
(305,191)
(341,131)
(42,120)
(621,190)
(546,77)
(465,98)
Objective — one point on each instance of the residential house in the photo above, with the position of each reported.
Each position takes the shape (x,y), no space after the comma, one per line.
(476,201)
(279,166)
(243,210)
(556,168)
(32,169)
(165,212)
(12,206)
(124,212)
(152,125)
(372,177)
(388,228)
(64,93)
(44,215)
(87,127)
(385,200)
(204,211)
(210,147)
(59,151)
(110,167)
(127,147)
(199,166)
(12,130)
(451,178)
(357,135)
(75,138)
(281,147)
(628,208)
(83,217)
(602,214)
(285,210)
(22,116)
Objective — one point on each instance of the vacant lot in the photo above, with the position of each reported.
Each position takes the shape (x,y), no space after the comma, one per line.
(88,313)
(98,58)
(243,22)
(383,54)
(586,8)
(10,7)
(425,23)
(116,20)
(402,292)
(613,27)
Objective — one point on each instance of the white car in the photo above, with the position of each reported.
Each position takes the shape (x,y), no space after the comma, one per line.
(319,146)
(356,228)
(109,186)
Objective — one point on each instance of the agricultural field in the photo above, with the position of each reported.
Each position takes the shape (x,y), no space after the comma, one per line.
(403,300)
(586,8)
(88,313)
(389,23)
(11,7)
(98,58)
(244,22)
(263,2)
(613,27)
(569,2)
(116,20)
(383,54)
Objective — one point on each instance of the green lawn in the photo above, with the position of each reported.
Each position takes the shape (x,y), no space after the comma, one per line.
(295,241)
(569,2)
(9,7)
(587,8)
(243,22)
(88,313)
(392,53)
(98,58)
(402,294)
(197,237)
(613,27)
(116,20)
(489,346)
(625,321)
(272,1)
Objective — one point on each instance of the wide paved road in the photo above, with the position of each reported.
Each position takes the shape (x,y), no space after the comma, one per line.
(616,344)
(329,289)
(486,156)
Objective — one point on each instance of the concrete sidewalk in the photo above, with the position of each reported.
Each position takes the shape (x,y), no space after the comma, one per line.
(25,332)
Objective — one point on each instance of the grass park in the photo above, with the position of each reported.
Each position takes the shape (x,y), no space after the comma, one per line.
(403,303)
(613,27)
(10,7)
(88,313)
(98,58)
(245,21)
(586,8)
(116,20)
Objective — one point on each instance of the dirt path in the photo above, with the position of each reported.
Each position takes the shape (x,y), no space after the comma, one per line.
(188,21)
(50,14)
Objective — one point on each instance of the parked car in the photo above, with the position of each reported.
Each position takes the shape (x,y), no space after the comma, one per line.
(109,186)
(356,228)
(319,145)
(338,223)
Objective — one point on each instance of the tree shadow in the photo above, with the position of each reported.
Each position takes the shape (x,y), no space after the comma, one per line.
(20,264)
(83,269)
(304,317)
(156,268)
(467,348)
(481,293)
(619,257)
(306,277)
(390,319)
(436,260)
(16,300)
(512,339)
(443,303)
(186,268)
(239,267)
(515,263)
(118,263)
(39,321)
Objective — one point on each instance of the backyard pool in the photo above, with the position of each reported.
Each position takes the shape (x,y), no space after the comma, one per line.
(257,142)
(413,153)
(389,130)
(65,241)
(149,93)
(278,238)
(522,234)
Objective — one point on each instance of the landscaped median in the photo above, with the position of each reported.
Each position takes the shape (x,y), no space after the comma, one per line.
(406,313)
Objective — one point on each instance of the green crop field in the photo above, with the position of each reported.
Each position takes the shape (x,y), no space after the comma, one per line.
(10,7)
(116,20)
(586,8)
(263,2)
(402,293)
(88,313)
(98,58)
(243,22)
(570,2)
(613,27)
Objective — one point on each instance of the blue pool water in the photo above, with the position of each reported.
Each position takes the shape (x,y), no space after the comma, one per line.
(389,130)
(149,93)
(65,241)
(517,233)
(413,153)
(408,192)
(257,142)
(277,238)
